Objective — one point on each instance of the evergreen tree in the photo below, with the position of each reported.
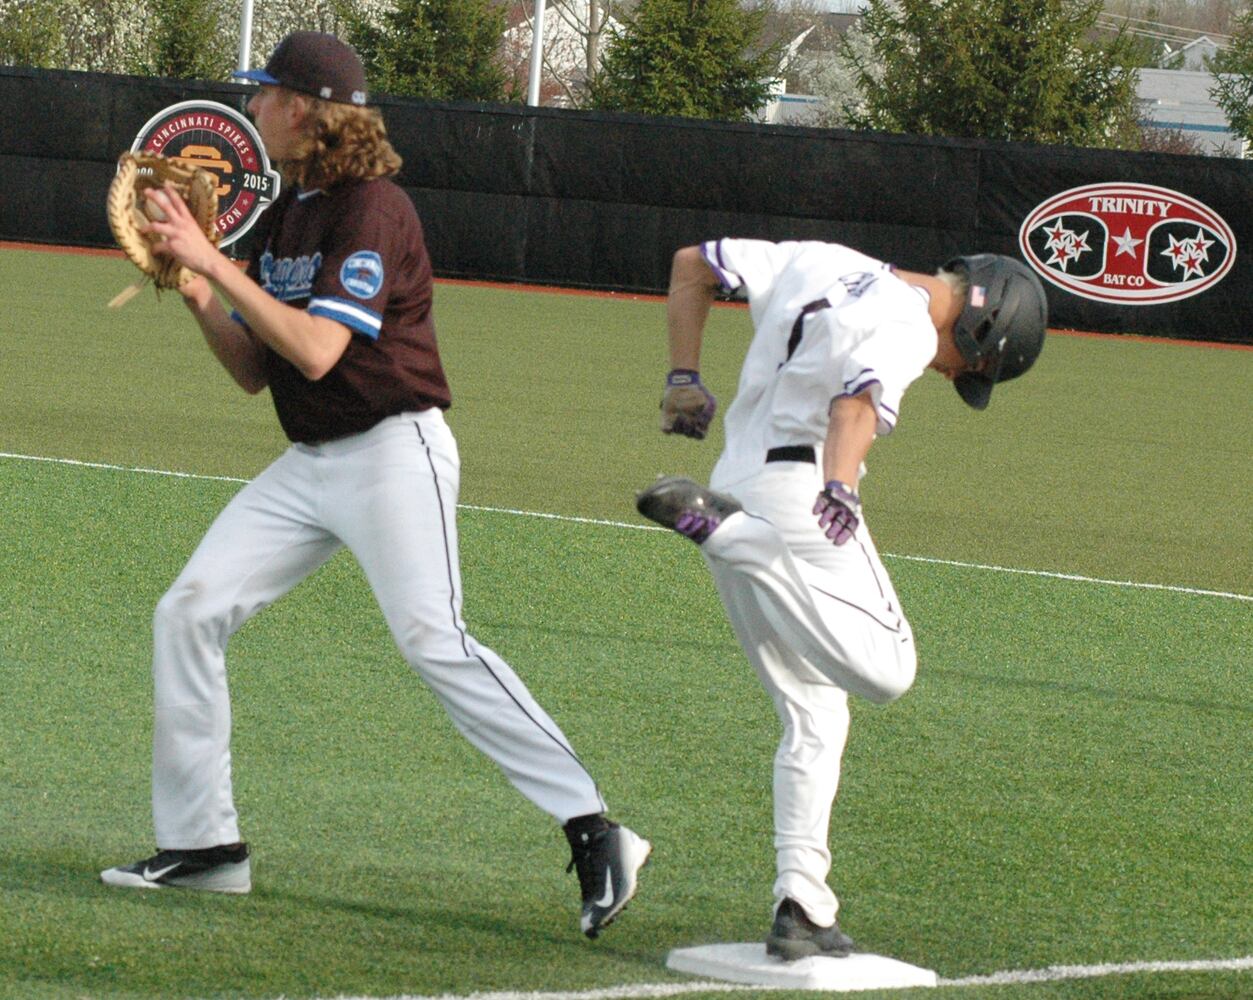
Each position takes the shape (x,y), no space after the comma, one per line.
(1024,70)
(187,40)
(695,58)
(1233,80)
(444,49)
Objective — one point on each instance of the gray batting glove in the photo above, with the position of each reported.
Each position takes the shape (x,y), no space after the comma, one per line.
(687,407)
(839,511)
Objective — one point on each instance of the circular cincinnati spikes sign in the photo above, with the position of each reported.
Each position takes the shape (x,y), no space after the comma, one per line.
(224,142)
(1132,243)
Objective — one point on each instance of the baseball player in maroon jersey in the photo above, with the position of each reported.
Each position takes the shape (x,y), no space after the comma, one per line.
(334,316)
(838,338)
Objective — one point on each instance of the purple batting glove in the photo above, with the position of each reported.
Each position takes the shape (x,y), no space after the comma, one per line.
(839,511)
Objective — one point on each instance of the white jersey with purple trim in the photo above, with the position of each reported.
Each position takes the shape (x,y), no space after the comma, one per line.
(817,621)
(829,322)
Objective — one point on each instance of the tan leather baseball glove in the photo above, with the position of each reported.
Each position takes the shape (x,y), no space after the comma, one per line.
(128,210)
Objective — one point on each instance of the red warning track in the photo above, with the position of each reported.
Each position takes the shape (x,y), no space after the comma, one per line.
(633,297)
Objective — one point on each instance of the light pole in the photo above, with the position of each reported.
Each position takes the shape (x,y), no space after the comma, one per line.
(245,35)
(537,54)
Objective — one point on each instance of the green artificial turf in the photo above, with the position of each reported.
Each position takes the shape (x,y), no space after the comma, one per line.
(1068,782)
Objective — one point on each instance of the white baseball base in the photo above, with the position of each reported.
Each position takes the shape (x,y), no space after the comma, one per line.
(749,964)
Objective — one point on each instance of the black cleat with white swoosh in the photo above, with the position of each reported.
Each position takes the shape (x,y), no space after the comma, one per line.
(608,862)
(210,869)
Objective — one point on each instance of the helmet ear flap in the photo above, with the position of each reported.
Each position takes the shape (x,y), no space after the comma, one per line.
(975,390)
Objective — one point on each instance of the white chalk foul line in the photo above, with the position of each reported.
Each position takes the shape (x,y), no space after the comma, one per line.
(560,517)
(1056,973)
(120,468)
(1074,576)
(1013,977)
(1133,584)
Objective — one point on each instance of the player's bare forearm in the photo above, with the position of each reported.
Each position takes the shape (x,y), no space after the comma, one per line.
(850,433)
(230,343)
(312,343)
(691,293)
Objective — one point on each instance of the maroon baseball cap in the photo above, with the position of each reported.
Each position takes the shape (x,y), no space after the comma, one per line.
(314,63)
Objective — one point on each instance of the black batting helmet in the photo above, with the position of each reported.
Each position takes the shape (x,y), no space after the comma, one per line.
(1001,326)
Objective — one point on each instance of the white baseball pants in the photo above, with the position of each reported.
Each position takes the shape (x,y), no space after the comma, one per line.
(389,495)
(817,621)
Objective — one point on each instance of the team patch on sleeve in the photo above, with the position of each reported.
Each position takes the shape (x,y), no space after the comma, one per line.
(362,274)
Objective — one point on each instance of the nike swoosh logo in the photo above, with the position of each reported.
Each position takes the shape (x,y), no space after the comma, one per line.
(607,898)
(151,876)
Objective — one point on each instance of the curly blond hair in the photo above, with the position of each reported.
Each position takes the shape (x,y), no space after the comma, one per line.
(343,142)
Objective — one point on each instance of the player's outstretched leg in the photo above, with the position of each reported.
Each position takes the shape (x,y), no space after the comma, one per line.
(211,869)
(794,936)
(608,858)
(685,506)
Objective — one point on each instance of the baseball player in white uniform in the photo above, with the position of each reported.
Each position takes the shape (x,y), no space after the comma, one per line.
(334,316)
(838,338)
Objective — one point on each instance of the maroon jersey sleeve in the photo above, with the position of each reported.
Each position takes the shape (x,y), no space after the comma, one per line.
(365,257)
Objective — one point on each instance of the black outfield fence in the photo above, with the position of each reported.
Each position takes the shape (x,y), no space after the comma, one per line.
(1128,242)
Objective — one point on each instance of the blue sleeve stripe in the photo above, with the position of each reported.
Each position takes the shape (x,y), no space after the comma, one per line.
(353,316)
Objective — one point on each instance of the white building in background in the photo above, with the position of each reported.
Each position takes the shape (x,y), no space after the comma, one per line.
(1179,99)
(1196,54)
